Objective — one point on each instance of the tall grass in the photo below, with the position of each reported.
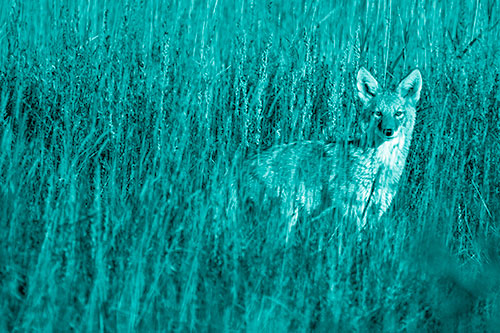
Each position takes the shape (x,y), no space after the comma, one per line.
(122,124)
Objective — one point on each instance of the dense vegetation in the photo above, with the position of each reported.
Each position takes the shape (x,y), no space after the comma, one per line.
(121,127)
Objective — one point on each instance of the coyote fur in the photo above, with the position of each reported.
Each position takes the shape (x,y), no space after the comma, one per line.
(357,179)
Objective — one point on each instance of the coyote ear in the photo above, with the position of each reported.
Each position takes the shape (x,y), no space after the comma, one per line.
(367,85)
(410,86)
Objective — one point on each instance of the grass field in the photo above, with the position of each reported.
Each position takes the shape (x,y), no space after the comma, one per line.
(122,124)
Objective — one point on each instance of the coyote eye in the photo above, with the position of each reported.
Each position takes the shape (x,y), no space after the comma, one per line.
(378,114)
(398,114)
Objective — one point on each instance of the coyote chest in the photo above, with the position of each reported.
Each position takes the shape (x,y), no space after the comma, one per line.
(372,180)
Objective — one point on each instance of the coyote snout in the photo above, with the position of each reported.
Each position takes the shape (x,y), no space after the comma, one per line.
(388,126)
(355,178)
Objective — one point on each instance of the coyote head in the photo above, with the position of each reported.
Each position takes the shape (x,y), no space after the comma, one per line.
(386,113)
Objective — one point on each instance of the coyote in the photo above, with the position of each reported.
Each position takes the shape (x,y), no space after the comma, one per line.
(356,178)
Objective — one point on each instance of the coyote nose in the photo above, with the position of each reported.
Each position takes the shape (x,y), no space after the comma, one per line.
(387,132)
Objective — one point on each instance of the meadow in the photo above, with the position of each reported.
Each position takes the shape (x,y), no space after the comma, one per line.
(122,127)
